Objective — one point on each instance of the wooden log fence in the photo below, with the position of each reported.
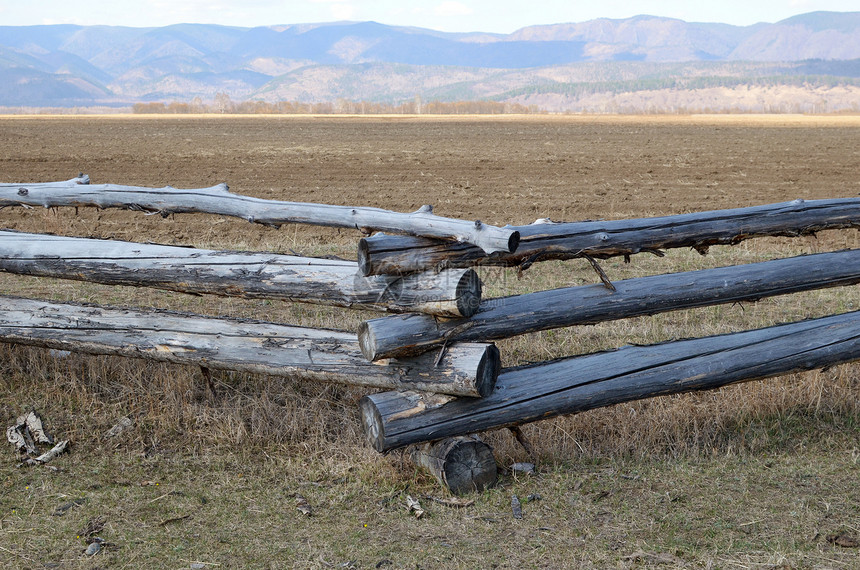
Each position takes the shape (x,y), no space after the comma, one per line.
(433,400)
(382,254)
(219,200)
(468,369)
(399,335)
(449,293)
(573,385)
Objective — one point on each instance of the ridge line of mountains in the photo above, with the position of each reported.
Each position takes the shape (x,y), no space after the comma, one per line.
(555,67)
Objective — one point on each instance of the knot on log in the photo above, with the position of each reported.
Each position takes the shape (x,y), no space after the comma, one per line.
(23,191)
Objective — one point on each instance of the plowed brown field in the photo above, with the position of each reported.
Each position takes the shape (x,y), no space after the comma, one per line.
(500,170)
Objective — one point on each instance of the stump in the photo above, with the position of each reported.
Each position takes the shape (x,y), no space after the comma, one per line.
(462,464)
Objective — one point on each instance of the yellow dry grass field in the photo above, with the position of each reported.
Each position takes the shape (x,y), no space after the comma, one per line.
(756,475)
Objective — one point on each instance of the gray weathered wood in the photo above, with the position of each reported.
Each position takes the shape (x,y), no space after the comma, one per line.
(80,179)
(572,385)
(468,369)
(399,335)
(218,200)
(381,254)
(462,464)
(455,292)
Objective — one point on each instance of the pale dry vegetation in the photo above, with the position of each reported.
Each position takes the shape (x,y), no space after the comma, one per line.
(754,475)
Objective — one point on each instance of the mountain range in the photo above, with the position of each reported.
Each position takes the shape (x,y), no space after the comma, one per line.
(70,65)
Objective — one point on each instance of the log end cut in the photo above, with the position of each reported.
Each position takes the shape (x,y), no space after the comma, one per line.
(514,242)
(462,464)
(371,420)
(489,368)
(468,295)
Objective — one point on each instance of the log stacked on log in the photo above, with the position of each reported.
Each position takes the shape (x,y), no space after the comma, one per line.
(589,304)
(434,399)
(453,293)
(573,385)
(218,200)
(465,369)
(543,241)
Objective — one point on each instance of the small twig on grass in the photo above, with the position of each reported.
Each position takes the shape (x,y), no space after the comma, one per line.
(173,520)
(47,456)
(159,498)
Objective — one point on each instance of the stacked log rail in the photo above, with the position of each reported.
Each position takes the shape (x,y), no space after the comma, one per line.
(382,254)
(401,335)
(434,395)
(450,293)
(577,384)
(466,369)
(219,200)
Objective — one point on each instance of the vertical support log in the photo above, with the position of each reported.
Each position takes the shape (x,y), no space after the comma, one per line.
(463,464)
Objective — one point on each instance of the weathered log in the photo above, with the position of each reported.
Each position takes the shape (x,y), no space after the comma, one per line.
(381,254)
(79,179)
(468,369)
(399,335)
(572,385)
(462,464)
(218,200)
(455,292)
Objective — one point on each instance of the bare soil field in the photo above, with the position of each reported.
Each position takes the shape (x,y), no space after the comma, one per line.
(756,475)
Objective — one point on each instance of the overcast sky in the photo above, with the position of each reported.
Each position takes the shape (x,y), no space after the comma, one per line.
(501,16)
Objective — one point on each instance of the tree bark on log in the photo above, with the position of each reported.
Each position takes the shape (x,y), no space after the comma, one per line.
(468,369)
(451,293)
(462,464)
(382,254)
(218,200)
(573,385)
(505,317)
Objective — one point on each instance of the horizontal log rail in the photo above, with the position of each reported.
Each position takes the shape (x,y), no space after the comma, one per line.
(451,293)
(218,200)
(382,254)
(573,385)
(79,179)
(468,369)
(399,335)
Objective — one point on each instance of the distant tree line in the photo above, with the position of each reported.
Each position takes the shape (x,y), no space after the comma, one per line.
(223,104)
(584,88)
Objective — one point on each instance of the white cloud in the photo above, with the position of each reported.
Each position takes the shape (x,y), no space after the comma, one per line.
(452,8)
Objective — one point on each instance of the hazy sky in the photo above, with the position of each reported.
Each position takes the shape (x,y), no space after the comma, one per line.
(502,16)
